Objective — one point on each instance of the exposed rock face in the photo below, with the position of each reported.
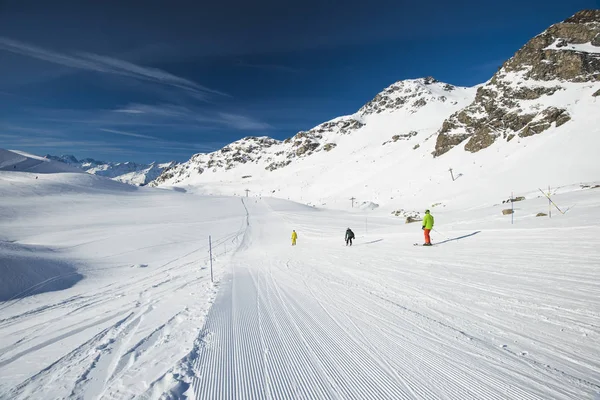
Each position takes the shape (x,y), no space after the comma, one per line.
(550,56)
(329,146)
(515,100)
(546,119)
(405,136)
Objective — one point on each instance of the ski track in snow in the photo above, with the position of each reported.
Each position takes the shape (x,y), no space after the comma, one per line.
(322,321)
(299,329)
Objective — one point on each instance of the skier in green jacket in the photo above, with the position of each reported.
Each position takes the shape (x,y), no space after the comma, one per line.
(427,227)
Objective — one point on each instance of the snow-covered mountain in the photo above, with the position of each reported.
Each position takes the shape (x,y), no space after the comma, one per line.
(538,113)
(397,104)
(126,172)
(406,112)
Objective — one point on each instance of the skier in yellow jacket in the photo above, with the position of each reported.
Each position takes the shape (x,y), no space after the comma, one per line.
(294,238)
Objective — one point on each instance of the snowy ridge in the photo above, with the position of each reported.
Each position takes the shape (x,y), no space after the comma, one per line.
(126,172)
(19,161)
(409,108)
(410,95)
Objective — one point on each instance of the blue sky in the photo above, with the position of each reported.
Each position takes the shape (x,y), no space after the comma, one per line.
(158,81)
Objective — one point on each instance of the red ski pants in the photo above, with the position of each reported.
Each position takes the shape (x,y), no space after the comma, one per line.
(427,238)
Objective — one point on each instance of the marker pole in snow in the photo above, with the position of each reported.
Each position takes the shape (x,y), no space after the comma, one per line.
(549,204)
(512,205)
(210,252)
(553,203)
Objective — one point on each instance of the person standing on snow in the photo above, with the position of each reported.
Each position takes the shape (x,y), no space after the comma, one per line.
(427,227)
(349,236)
(294,238)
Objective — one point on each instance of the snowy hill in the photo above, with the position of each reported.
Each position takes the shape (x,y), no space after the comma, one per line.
(126,172)
(537,113)
(106,292)
(18,161)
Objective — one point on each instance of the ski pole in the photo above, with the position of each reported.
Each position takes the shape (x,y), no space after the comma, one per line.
(435,230)
(553,203)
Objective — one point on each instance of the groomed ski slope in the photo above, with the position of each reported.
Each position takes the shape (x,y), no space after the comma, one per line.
(493,311)
(499,314)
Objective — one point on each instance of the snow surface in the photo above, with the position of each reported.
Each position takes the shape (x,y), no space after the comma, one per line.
(581,47)
(492,311)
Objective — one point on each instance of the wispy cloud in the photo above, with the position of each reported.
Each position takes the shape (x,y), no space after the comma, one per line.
(242,122)
(29,130)
(163,110)
(166,112)
(108,65)
(129,111)
(131,134)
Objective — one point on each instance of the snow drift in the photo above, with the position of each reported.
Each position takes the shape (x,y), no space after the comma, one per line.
(31,270)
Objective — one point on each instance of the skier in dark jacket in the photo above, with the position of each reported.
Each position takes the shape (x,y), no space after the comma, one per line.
(349,236)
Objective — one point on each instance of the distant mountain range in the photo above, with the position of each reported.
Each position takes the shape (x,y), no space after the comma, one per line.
(126,172)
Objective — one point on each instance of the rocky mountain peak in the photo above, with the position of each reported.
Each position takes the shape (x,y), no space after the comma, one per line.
(584,17)
(569,50)
(516,101)
(410,94)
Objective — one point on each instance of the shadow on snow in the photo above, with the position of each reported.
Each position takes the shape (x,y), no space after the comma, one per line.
(459,238)
(371,242)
